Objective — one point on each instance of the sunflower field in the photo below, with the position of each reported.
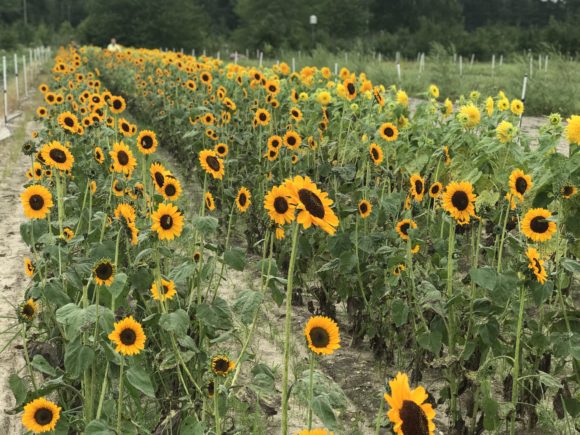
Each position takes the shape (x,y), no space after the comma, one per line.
(442,239)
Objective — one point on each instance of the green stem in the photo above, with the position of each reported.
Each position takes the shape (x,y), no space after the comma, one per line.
(451,322)
(516,371)
(360,281)
(501,240)
(120,398)
(310,390)
(27,358)
(216,409)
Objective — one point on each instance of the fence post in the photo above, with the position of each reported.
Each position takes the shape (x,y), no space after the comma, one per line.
(524,87)
(460,66)
(399,72)
(335,69)
(293,65)
(25,77)
(5,89)
(16,76)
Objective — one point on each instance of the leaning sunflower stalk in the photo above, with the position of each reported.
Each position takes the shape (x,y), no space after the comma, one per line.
(443,229)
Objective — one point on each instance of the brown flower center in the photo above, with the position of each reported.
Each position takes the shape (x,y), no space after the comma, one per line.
(375,153)
(280,205)
(363,208)
(418,187)
(58,155)
(159,178)
(104,271)
(414,419)
(170,190)
(146,142)
(166,222)
(291,140)
(312,203)
(123,158)
(27,310)
(460,200)
(128,337)
(405,228)
(43,416)
(221,365)
(319,337)
(242,199)
(389,132)
(69,122)
(213,163)
(351,88)
(539,224)
(36,202)
(521,185)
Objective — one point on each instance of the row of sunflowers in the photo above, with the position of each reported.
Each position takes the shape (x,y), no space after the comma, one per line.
(442,230)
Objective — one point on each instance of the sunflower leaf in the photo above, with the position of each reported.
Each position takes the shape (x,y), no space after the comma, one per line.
(139,379)
(177,322)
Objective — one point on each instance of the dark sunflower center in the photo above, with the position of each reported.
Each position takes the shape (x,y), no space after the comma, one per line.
(414,419)
(460,200)
(117,104)
(272,88)
(213,163)
(221,365)
(27,310)
(351,88)
(221,150)
(43,416)
(281,205)
(262,116)
(419,187)
(295,113)
(521,185)
(291,140)
(242,199)
(165,289)
(363,208)
(210,388)
(389,132)
(405,228)
(98,155)
(170,190)
(146,142)
(435,189)
(539,225)
(123,158)
(319,337)
(104,271)
(159,178)
(57,155)
(312,203)
(166,222)
(272,153)
(128,337)
(69,122)
(125,127)
(568,190)
(36,202)
(537,265)
(375,153)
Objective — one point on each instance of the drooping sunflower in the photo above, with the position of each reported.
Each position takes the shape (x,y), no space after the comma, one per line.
(292,140)
(458,201)
(520,183)
(221,365)
(167,221)
(398,269)
(36,201)
(408,411)
(322,335)
(158,174)
(28,267)
(68,121)
(99,155)
(168,290)
(27,310)
(404,226)
(568,191)
(123,159)
(435,189)
(125,211)
(147,142)
(128,336)
(365,208)
(389,131)
(40,415)
(57,156)
(221,149)
(243,199)
(314,205)
(262,117)
(536,265)
(277,203)
(417,187)
(209,201)
(535,225)
(104,272)
(68,233)
(171,189)
(212,164)
(376,153)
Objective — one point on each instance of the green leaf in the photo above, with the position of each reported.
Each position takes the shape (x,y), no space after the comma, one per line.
(246,305)
(322,409)
(190,426)
(399,312)
(177,322)
(55,293)
(116,288)
(206,225)
(41,364)
(18,388)
(571,265)
(139,379)
(98,427)
(77,358)
(490,411)
(430,341)
(235,258)
(485,277)
(217,315)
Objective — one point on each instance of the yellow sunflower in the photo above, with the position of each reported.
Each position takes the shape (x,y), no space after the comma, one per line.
(147,142)
(27,310)
(104,272)
(365,208)
(221,149)
(536,265)
(458,201)
(376,153)
(568,191)
(167,221)
(36,201)
(277,203)
(221,365)
(171,188)
(40,415)
(292,140)
(520,183)
(535,225)
(128,336)
(99,155)
(68,233)
(296,114)
(322,335)
(404,226)
(517,107)
(123,159)
(209,201)
(117,104)
(126,211)
(158,174)
(389,131)
(469,115)
(168,290)
(417,187)
(274,142)
(212,164)
(435,189)
(243,199)
(434,91)
(28,267)
(57,156)
(262,117)
(408,411)
(68,121)
(573,129)
(505,131)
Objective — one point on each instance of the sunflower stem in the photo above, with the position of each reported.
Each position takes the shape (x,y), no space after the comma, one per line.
(516,370)
(120,398)
(310,390)
(451,332)
(502,238)
(221,274)
(359,274)
(287,329)
(27,358)
(216,408)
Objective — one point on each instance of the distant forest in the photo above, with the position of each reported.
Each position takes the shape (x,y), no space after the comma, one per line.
(479,27)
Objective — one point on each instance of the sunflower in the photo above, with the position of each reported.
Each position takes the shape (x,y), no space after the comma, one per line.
(404,226)
(447,107)
(434,91)
(503,104)
(243,199)
(317,431)
(147,142)
(517,107)
(27,310)
(322,335)
(68,121)
(118,188)
(262,117)
(469,115)
(389,131)
(41,112)
(129,337)
(171,189)
(376,153)
(365,208)
(278,205)
(28,266)
(57,156)
(417,187)
(272,154)
(536,265)
(126,128)
(349,89)
(221,149)
(448,159)
(99,155)
(158,174)
(408,411)
(314,205)
(40,415)
(520,183)
(489,104)
(167,221)
(117,104)
(104,272)
(535,225)
(125,211)
(68,233)
(296,114)
(123,160)
(168,290)
(36,201)
(398,269)
(458,200)
(573,129)
(292,140)
(221,365)
(568,191)
(209,201)
(435,189)
(212,164)
(505,131)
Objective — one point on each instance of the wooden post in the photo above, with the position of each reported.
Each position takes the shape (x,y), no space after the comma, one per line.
(5,89)
(16,77)
(399,72)
(460,66)
(25,76)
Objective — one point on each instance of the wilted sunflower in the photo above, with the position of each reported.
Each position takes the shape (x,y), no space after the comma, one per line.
(312,203)
(221,365)
(408,411)
(417,187)
(535,225)
(28,266)
(398,269)
(376,153)
(40,415)
(520,183)
(221,149)
(389,131)
(568,191)
(123,159)
(209,201)
(27,310)
(212,164)
(262,117)
(128,336)
(168,290)
(404,226)
(99,155)
(147,142)
(243,199)
(167,221)
(36,201)
(57,156)
(435,189)
(536,265)
(68,233)
(365,208)
(104,272)
(458,201)
(292,140)
(68,121)
(277,202)
(322,335)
